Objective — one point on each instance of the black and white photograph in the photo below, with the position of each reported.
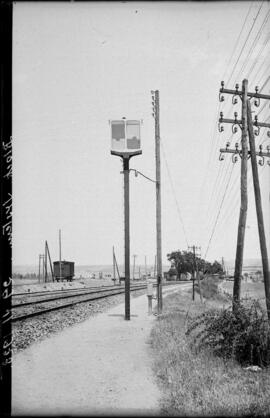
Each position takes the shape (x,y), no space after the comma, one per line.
(135,208)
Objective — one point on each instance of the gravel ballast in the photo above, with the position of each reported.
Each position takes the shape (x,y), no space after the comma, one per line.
(28,331)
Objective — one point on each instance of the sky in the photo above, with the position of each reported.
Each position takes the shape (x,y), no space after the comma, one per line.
(78,65)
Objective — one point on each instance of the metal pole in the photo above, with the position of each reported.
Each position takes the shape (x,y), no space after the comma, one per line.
(158,203)
(43,268)
(145,266)
(127,241)
(46,273)
(39,268)
(134,256)
(244,202)
(48,251)
(60,266)
(259,211)
(114,279)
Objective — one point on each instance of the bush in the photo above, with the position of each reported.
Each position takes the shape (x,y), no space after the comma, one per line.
(243,335)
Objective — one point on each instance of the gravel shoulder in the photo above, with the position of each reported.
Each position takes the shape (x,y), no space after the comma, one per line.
(101,366)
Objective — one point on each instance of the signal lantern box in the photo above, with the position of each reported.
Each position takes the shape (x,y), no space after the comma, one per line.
(125,137)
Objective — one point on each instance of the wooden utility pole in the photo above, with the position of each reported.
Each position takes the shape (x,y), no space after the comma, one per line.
(48,252)
(41,265)
(114,278)
(243,153)
(43,268)
(145,266)
(39,260)
(158,199)
(155,266)
(258,202)
(195,274)
(244,202)
(46,272)
(223,265)
(134,257)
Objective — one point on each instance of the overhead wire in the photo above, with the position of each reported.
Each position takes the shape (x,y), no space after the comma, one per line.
(261,66)
(237,41)
(254,21)
(255,41)
(214,133)
(258,55)
(250,71)
(218,214)
(174,194)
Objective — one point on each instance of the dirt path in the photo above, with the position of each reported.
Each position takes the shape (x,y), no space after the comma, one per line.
(99,367)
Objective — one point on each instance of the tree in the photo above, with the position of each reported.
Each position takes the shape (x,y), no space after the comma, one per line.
(216,268)
(183,262)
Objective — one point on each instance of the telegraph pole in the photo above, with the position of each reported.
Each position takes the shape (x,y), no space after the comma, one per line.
(48,253)
(155,103)
(223,265)
(46,272)
(244,202)
(155,266)
(134,256)
(194,249)
(114,278)
(244,154)
(258,202)
(39,258)
(145,266)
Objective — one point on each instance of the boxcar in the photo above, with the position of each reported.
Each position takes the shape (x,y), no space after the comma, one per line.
(67,270)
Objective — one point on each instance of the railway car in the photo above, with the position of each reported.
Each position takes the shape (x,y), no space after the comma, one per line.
(67,270)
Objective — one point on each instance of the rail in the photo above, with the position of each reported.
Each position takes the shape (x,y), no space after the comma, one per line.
(75,302)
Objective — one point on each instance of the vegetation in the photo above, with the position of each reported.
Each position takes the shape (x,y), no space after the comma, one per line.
(242,334)
(184,262)
(209,288)
(198,382)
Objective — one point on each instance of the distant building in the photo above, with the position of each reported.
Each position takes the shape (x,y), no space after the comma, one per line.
(171,274)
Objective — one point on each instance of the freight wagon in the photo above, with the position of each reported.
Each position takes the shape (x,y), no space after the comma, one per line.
(67,270)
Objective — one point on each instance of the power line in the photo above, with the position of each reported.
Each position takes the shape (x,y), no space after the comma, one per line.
(257,56)
(254,43)
(237,41)
(261,66)
(215,224)
(254,21)
(173,191)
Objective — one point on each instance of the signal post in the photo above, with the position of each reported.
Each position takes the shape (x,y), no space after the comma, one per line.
(126,143)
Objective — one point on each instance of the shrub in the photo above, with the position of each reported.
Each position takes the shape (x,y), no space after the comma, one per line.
(243,335)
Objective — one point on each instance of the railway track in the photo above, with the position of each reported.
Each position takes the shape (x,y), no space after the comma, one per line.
(63,291)
(56,303)
(59,294)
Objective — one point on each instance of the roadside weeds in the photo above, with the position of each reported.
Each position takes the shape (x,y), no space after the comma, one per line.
(201,384)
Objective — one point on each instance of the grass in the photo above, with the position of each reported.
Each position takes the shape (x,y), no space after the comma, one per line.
(202,384)
(248,289)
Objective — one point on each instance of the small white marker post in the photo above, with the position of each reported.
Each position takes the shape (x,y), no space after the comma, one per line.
(150,297)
